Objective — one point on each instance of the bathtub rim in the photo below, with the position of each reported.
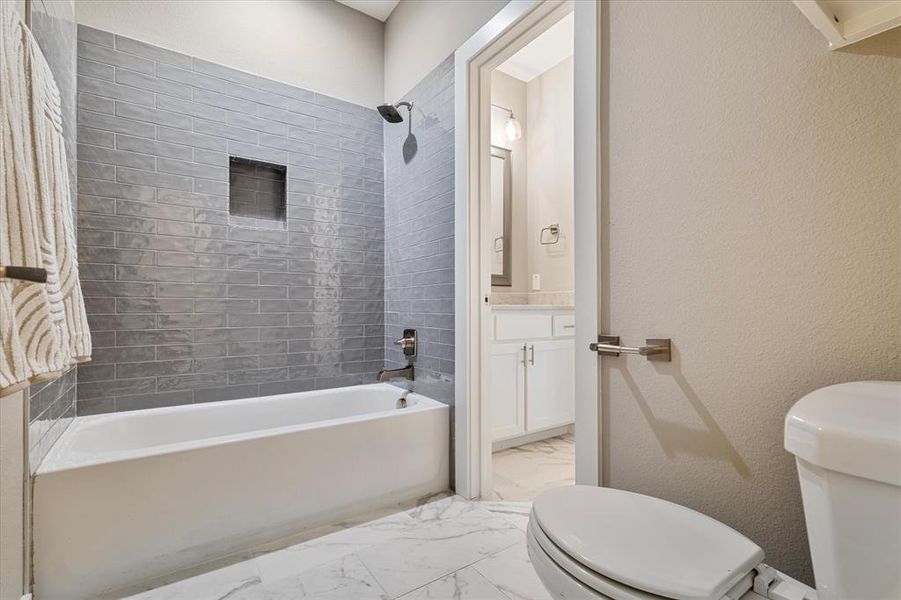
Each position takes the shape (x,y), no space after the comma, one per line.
(59,458)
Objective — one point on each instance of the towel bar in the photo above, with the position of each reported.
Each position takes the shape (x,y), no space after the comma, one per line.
(657,349)
(33,274)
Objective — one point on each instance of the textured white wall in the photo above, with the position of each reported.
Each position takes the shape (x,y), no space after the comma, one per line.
(322,46)
(753,211)
(420,34)
(511,93)
(12,489)
(550,172)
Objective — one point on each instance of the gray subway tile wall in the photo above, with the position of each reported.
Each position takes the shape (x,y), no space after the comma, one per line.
(52,408)
(52,403)
(187,304)
(419,232)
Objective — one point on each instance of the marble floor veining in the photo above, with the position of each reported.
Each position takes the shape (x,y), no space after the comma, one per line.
(447,548)
(521,473)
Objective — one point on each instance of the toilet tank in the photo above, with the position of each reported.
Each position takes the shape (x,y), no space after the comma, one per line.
(846,439)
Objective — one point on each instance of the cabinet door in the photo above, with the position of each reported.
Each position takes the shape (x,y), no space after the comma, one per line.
(550,392)
(507,401)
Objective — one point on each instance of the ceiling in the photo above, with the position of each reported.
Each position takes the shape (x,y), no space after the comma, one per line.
(547,50)
(379,9)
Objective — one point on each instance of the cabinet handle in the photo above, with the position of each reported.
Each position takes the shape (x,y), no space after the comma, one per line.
(523,354)
(532,354)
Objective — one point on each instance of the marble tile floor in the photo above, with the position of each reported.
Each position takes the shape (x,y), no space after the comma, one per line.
(447,548)
(523,472)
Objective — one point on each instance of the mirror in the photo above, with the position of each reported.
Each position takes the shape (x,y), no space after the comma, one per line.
(501,207)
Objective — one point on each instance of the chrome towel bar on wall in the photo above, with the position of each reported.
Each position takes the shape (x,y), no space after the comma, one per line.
(657,349)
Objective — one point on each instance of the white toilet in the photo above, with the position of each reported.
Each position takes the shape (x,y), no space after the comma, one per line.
(590,542)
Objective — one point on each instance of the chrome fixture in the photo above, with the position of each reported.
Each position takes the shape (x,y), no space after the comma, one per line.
(390,113)
(512,128)
(402,401)
(388,374)
(407,343)
(554,230)
(657,349)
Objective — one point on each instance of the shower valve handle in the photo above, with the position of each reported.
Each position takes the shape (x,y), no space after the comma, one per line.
(407,342)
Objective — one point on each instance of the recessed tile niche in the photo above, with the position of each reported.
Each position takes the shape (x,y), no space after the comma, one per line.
(256,193)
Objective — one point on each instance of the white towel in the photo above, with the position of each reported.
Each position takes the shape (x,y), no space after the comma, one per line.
(43,327)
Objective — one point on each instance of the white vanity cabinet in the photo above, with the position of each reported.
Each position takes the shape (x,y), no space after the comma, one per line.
(549,384)
(508,390)
(531,368)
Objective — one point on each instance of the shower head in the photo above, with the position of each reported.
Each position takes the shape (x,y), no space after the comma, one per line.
(389,111)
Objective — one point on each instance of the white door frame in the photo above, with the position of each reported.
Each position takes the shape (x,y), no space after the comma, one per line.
(513,27)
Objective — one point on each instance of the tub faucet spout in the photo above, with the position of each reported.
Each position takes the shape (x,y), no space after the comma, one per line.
(405,373)
(402,401)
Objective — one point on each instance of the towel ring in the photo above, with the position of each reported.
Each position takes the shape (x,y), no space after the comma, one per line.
(554,230)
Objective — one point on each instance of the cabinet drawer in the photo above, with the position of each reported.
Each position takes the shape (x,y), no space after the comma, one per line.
(520,326)
(564,325)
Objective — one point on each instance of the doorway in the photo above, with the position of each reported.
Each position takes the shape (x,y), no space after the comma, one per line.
(529,362)
(527,410)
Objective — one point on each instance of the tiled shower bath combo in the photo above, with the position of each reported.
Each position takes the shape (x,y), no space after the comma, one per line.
(231,236)
(189,301)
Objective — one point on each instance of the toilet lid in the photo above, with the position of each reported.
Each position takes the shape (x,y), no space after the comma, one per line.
(646,543)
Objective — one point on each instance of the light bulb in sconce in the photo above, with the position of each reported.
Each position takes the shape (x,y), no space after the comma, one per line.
(513,130)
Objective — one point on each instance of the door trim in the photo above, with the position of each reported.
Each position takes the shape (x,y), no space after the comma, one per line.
(513,27)
(587,246)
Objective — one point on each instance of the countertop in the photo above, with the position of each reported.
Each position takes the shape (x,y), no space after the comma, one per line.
(533,307)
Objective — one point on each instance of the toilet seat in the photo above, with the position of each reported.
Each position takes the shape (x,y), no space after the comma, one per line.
(633,547)
(575,576)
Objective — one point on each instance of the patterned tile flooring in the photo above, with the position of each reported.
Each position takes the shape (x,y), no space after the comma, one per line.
(523,472)
(446,548)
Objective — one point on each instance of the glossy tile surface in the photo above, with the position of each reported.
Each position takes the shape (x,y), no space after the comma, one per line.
(346,577)
(465,584)
(523,472)
(447,548)
(419,232)
(511,572)
(53,26)
(187,301)
(451,534)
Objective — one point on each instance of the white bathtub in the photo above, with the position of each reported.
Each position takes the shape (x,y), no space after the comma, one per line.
(126,497)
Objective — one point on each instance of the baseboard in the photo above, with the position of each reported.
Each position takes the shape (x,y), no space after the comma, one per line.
(528,438)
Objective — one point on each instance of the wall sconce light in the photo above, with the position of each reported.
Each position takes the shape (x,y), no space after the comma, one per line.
(512,128)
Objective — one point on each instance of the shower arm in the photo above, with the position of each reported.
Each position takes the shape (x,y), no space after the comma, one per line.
(409,107)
